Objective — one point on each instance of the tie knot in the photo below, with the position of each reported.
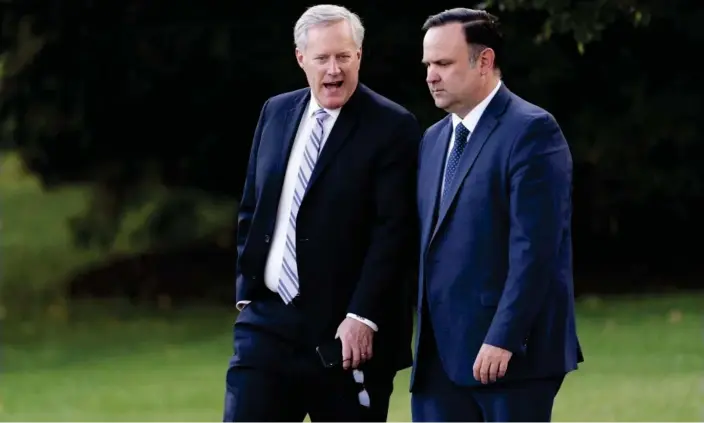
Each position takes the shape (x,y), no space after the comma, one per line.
(321,114)
(461,133)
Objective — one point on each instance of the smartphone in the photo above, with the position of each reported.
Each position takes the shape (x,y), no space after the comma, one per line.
(330,353)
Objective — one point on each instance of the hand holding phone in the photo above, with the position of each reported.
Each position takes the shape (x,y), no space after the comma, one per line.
(330,353)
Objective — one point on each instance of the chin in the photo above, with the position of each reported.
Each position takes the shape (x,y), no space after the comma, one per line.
(440,104)
(333,102)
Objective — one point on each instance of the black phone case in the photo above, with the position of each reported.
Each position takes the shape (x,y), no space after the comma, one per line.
(331,353)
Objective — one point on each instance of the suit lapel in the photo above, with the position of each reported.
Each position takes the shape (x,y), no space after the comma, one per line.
(287,131)
(339,135)
(433,176)
(291,122)
(486,125)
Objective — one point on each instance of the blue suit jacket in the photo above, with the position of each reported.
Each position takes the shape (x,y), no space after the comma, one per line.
(496,257)
(355,229)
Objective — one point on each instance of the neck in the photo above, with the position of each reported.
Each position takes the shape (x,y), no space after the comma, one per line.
(482,94)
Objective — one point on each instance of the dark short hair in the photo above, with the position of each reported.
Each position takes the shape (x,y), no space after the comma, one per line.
(481,29)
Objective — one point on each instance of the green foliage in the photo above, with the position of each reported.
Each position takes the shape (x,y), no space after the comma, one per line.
(105,96)
(584,20)
(86,104)
(169,217)
(38,247)
(35,247)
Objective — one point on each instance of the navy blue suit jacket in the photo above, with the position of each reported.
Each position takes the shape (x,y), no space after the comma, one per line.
(356,226)
(496,258)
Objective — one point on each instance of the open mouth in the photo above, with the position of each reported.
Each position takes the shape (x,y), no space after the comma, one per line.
(332,85)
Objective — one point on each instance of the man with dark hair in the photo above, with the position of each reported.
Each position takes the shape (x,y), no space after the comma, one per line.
(496,332)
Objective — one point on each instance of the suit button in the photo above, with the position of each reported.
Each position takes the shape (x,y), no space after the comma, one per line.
(267,238)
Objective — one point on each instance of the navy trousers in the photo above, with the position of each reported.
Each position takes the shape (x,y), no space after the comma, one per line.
(435,398)
(276,375)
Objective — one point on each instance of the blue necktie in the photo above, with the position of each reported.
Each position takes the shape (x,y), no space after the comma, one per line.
(288,280)
(461,137)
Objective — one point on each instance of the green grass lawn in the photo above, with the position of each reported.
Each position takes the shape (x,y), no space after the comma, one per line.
(645,362)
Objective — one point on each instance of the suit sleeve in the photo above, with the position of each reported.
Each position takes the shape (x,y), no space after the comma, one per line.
(392,244)
(540,172)
(246,211)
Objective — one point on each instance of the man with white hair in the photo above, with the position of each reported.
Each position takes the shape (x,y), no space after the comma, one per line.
(326,232)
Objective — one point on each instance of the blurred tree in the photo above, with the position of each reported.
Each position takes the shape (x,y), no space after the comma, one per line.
(129,97)
(125,98)
(584,20)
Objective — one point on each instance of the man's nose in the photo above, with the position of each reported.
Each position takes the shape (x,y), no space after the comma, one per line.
(431,76)
(333,67)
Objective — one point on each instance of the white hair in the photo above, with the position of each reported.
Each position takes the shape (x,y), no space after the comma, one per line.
(326,14)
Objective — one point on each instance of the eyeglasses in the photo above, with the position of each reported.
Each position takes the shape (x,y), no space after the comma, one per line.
(363,395)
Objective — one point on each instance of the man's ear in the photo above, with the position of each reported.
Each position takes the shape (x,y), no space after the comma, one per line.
(486,60)
(299,58)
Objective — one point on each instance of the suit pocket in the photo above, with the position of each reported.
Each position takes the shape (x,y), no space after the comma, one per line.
(243,316)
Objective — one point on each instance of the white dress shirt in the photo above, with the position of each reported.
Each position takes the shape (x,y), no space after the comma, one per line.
(470,122)
(274,261)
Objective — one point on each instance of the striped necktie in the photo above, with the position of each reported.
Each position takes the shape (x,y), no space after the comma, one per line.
(288,280)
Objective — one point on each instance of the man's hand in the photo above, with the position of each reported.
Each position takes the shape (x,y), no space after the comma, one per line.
(491,363)
(356,342)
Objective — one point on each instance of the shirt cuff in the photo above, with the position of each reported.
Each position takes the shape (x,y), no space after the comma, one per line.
(363,320)
(240,305)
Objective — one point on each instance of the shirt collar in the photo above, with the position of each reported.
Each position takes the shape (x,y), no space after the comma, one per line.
(313,106)
(470,121)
